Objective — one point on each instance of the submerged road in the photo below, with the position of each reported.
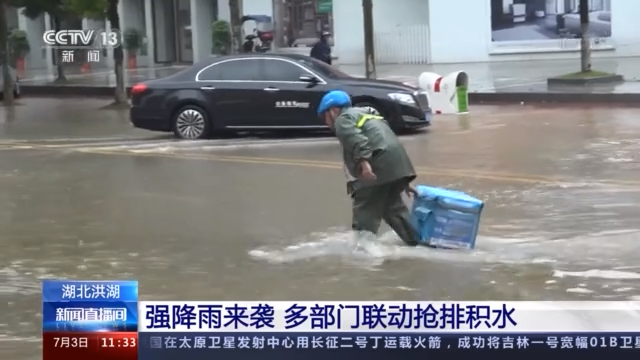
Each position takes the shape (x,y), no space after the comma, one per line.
(260,218)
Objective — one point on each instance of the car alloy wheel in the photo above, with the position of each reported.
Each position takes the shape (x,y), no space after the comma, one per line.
(191,124)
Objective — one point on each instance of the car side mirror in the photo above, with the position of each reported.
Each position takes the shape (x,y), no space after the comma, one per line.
(309,79)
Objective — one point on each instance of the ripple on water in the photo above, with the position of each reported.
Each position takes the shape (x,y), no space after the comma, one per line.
(578,265)
(599,274)
(13,282)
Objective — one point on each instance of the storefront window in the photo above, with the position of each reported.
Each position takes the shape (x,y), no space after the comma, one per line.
(304,20)
(547,24)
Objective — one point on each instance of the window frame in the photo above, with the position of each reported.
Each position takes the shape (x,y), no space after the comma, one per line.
(320,79)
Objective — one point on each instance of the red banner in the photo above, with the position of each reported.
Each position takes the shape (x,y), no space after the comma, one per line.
(90,346)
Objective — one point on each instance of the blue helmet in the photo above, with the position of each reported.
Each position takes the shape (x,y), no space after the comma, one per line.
(335,98)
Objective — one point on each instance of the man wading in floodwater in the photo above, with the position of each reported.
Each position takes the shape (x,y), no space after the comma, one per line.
(377,166)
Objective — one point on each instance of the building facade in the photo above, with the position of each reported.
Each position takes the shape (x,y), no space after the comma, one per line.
(406,31)
(175,31)
(459,31)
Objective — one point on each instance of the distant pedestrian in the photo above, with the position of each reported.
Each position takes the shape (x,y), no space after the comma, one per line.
(322,50)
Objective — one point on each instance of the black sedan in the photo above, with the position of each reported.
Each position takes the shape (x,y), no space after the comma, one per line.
(264,92)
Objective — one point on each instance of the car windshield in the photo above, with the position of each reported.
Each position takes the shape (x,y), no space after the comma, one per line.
(323,69)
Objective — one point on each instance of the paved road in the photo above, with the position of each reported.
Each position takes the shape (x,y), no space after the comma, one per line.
(86,196)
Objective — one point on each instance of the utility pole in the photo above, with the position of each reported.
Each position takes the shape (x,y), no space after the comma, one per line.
(585,41)
(235,7)
(369,53)
(7,85)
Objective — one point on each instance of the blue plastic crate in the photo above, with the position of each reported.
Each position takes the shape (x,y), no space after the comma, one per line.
(446,218)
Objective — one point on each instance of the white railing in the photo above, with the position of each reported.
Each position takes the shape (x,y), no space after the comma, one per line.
(408,44)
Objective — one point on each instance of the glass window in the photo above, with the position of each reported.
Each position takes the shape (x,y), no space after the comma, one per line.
(245,70)
(322,69)
(300,22)
(279,70)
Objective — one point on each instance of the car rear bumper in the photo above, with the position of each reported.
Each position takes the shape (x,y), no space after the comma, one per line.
(141,118)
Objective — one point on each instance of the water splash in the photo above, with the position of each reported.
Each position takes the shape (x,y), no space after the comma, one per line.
(599,249)
(348,246)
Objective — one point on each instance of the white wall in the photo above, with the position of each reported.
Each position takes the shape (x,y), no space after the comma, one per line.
(389,14)
(254,7)
(348,32)
(224,13)
(348,27)
(460,30)
(453,22)
(162,11)
(37,57)
(202,16)
(625,27)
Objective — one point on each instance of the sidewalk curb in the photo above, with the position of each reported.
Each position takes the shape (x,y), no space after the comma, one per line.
(68,91)
(474,98)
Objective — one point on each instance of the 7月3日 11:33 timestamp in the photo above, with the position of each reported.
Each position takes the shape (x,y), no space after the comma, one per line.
(89,345)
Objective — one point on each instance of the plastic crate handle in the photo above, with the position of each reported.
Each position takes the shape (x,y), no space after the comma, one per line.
(422,215)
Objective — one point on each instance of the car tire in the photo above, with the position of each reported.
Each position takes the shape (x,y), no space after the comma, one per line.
(372,109)
(191,122)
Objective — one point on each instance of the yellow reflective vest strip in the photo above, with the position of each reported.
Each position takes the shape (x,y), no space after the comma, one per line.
(363,119)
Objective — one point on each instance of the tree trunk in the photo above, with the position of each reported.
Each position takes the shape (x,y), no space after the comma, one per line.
(585,43)
(7,86)
(236,26)
(57,25)
(118,54)
(369,51)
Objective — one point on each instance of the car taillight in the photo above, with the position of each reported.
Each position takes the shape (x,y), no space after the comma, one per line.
(138,89)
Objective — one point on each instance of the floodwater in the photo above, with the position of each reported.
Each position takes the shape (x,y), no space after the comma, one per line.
(85,196)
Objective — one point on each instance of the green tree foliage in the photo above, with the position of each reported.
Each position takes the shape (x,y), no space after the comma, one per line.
(236,24)
(93,9)
(221,37)
(19,45)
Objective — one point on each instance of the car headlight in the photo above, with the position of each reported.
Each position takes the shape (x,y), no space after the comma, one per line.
(403,98)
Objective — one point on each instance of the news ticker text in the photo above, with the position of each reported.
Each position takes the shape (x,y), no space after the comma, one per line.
(283,345)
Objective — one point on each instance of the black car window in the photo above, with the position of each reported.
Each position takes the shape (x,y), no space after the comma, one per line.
(322,69)
(245,69)
(280,70)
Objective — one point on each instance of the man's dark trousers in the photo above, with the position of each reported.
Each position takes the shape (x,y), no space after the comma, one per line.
(372,204)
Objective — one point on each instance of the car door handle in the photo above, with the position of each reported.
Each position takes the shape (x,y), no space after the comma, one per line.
(271,89)
(207,88)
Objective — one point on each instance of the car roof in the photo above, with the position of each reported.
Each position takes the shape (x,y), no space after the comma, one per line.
(191,71)
(258,56)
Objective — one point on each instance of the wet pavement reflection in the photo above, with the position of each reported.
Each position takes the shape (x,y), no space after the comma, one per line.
(262,217)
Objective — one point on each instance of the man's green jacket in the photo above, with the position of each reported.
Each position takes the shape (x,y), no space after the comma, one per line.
(368,137)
